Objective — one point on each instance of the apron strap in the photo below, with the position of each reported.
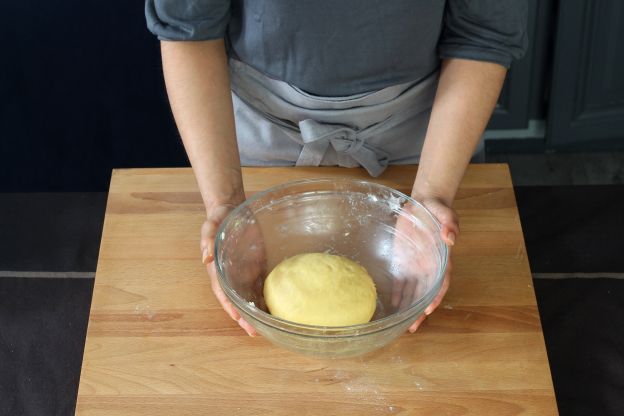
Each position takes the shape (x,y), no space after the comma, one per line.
(349,144)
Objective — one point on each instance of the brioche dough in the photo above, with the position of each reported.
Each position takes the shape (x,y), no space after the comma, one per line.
(320,289)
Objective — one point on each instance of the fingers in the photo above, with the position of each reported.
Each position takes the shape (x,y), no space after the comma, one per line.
(438,299)
(449,235)
(416,324)
(223,300)
(247,327)
(408,293)
(436,302)
(450,225)
(404,291)
(448,219)
(226,304)
(209,231)
(397,291)
(206,242)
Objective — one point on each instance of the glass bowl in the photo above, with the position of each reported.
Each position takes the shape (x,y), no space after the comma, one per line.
(393,236)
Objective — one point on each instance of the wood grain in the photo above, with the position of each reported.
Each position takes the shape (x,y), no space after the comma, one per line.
(159,344)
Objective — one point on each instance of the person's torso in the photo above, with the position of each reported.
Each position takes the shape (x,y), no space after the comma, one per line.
(337,47)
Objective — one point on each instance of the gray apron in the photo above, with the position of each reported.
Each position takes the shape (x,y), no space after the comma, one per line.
(278,124)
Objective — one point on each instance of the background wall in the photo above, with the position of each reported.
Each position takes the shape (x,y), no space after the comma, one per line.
(81,92)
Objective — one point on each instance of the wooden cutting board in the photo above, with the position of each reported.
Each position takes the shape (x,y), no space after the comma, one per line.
(159,344)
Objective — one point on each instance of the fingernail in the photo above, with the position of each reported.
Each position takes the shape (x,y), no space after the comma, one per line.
(451,237)
(204,255)
(235,316)
(412,330)
(243,324)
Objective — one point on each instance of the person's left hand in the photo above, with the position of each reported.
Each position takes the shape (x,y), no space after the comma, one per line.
(414,266)
(246,272)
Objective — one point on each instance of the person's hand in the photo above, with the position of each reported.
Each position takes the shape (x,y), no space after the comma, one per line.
(214,216)
(415,265)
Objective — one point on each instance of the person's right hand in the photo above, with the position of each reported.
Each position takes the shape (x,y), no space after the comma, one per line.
(214,216)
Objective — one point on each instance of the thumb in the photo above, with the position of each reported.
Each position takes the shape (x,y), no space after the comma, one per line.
(206,241)
(447,217)
(209,228)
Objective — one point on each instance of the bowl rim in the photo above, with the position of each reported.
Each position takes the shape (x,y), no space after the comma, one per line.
(319,330)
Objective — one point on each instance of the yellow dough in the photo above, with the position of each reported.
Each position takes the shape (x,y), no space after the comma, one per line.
(320,289)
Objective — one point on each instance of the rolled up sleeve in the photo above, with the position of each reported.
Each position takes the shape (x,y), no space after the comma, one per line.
(187,19)
(484,30)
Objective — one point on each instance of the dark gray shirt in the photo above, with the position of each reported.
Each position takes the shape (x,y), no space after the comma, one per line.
(345,47)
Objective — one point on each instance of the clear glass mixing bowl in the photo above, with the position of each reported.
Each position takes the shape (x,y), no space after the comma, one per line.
(394,237)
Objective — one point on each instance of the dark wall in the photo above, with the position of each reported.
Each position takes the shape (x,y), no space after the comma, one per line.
(81,92)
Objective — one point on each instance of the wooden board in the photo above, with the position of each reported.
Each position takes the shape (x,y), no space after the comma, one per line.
(159,344)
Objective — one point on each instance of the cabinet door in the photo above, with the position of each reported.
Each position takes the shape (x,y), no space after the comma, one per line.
(522,96)
(587,95)
(511,110)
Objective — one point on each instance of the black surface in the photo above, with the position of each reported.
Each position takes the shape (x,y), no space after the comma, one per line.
(578,229)
(573,228)
(583,321)
(43,324)
(51,231)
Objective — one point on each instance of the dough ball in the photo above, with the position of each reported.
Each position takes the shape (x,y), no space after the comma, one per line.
(320,289)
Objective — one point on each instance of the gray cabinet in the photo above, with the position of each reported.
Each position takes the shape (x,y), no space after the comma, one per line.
(572,77)
(512,108)
(522,97)
(587,94)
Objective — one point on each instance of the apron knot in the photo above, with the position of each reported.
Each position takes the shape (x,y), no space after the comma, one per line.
(350,146)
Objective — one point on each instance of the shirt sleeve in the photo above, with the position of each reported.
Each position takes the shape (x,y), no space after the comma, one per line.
(187,19)
(484,30)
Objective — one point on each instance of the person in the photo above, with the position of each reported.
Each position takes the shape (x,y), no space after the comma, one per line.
(322,82)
